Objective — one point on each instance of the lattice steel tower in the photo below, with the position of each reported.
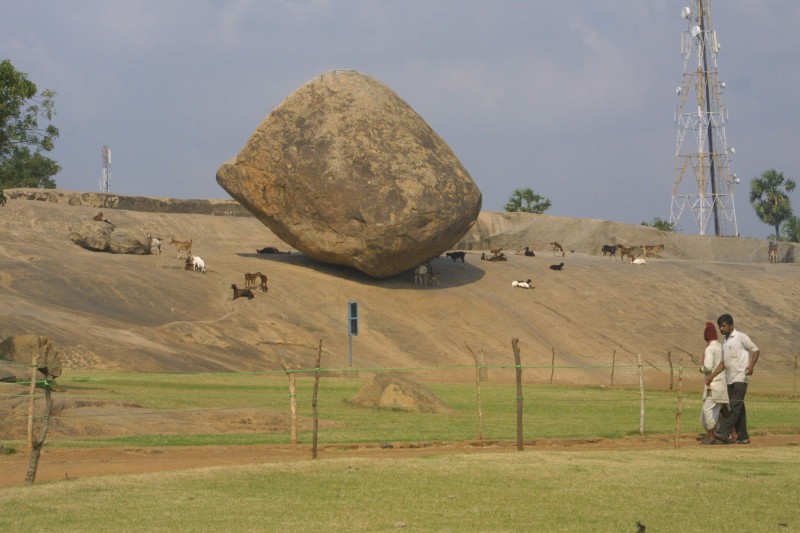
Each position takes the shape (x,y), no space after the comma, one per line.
(702,112)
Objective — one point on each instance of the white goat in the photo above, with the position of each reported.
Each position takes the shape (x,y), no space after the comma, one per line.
(522,284)
(155,245)
(197,264)
(421,275)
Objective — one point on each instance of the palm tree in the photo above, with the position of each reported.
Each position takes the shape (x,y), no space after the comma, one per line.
(527,201)
(771,204)
(791,229)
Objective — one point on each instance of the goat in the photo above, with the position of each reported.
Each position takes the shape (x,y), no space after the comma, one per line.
(242,293)
(250,280)
(773,252)
(652,249)
(483,256)
(623,251)
(100,218)
(610,249)
(522,284)
(496,251)
(639,261)
(155,245)
(558,248)
(557,267)
(456,255)
(182,246)
(433,278)
(197,264)
(421,275)
(529,252)
(271,250)
(263,279)
(498,257)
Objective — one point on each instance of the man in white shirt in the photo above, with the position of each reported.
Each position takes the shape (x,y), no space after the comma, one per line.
(739,357)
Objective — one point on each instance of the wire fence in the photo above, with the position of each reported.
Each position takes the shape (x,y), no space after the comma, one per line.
(414,406)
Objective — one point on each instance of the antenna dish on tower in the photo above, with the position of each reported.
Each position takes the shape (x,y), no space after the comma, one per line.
(686,12)
(696,31)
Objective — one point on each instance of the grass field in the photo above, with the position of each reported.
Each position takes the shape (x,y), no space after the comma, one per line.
(674,490)
(550,411)
(688,489)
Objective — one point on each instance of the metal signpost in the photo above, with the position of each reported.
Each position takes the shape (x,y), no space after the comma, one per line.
(352,326)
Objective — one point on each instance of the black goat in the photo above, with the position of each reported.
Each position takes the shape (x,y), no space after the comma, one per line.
(456,255)
(609,249)
(557,267)
(271,250)
(242,293)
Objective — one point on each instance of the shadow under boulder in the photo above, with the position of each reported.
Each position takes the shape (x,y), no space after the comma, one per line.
(390,390)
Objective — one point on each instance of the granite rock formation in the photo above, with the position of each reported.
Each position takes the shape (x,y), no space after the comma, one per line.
(348,173)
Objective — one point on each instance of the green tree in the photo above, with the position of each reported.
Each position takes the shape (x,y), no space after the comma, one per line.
(660,224)
(771,204)
(791,229)
(22,141)
(527,201)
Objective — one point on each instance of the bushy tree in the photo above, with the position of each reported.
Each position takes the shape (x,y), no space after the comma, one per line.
(771,204)
(660,224)
(527,201)
(22,141)
(791,229)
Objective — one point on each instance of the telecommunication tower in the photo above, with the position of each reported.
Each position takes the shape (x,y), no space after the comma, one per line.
(702,112)
(105,177)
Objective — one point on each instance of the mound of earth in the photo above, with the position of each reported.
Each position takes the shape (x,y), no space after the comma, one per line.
(391,390)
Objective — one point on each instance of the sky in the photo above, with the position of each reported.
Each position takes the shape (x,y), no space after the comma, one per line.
(574,99)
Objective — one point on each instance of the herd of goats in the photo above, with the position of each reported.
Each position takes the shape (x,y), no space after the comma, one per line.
(424,274)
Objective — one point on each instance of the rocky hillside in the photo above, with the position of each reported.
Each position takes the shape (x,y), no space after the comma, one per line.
(147,313)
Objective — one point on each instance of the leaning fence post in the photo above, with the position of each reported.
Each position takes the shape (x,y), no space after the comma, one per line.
(478,389)
(552,364)
(641,396)
(292,402)
(669,358)
(794,387)
(32,397)
(518,363)
(613,363)
(314,403)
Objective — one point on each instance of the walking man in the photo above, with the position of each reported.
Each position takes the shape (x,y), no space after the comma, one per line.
(739,357)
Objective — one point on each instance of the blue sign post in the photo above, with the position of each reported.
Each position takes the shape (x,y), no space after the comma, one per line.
(352,326)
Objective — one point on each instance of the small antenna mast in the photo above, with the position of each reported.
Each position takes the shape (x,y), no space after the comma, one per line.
(105,177)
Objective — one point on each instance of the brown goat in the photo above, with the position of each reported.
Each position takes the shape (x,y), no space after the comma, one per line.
(250,279)
(182,246)
(558,248)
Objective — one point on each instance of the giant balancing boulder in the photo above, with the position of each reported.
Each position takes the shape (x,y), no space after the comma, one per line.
(348,173)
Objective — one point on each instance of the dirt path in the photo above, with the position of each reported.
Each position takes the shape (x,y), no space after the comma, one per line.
(73,463)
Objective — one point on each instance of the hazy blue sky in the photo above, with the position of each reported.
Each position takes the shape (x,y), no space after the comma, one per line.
(574,99)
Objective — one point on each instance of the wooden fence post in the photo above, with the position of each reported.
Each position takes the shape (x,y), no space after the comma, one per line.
(641,396)
(794,387)
(552,364)
(36,449)
(32,398)
(669,358)
(613,363)
(518,363)
(478,389)
(679,411)
(314,403)
(292,402)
